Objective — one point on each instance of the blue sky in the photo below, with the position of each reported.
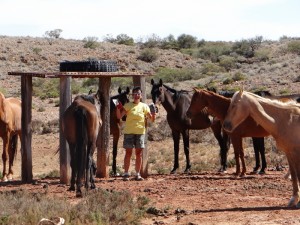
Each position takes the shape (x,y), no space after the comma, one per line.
(211,20)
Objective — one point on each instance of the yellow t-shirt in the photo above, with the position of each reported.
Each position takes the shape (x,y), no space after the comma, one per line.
(136,116)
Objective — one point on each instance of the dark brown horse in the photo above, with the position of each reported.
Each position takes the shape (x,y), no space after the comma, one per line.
(10,129)
(218,106)
(115,123)
(80,124)
(176,103)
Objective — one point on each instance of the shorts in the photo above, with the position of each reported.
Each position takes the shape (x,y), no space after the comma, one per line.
(134,141)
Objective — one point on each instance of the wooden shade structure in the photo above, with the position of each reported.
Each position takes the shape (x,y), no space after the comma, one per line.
(65,101)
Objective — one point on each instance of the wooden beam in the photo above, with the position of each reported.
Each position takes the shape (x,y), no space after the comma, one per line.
(140,81)
(26,92)
(64,153)
(104,134)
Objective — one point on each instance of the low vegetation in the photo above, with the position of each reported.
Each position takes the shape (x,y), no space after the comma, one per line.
(99,207)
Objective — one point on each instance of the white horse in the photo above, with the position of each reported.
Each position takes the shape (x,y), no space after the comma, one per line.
(281,120)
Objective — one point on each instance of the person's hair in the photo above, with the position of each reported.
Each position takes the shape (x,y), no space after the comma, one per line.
(135,89)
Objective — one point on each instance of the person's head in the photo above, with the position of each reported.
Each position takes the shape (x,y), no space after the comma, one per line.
(137,93)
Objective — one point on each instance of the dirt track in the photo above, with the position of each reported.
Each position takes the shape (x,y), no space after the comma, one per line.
(204,198)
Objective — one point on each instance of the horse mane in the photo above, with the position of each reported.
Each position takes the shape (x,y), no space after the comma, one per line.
(176,93)
(277,102)
(88,98)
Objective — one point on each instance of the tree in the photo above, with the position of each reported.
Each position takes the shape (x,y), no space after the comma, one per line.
(52,34)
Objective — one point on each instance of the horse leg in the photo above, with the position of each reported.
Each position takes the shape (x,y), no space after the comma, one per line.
(115,150)
(259,147)
(13,146)
(186,144)
(256,153)
(176,140)
(73,163)
(293,169)
(223,143)
(236,147)
(6,145)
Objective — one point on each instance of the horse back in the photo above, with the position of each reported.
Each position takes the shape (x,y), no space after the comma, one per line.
(179,120)
(13,113)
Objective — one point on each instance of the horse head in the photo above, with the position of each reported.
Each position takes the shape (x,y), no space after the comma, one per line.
(123,95)
(237,112)
(157,91)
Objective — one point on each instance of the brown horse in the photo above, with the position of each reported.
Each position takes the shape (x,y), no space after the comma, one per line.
(281,120)
(10,129)
(115,123)
(218,105)
(176,104)
(80,124)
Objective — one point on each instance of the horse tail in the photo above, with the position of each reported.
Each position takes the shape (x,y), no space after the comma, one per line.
(14,146)
(81,140)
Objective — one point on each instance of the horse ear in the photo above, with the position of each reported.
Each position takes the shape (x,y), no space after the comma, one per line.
(152,81)
(195,89)
(160,82)
(119,90)
(127,90)
(90,92)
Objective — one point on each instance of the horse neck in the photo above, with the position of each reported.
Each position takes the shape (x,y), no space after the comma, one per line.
(267,115)
(168,102)
(217,104)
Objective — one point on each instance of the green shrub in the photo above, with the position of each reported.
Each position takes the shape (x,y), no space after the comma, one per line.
(90,42)
(37,50)
(187,41)
(174,75)
(212,50)
(238,76)
(211,69)
(227,62)
(294,47)
(148,55)
(169,42)
(247,47)
(263,54)
(152,41)
(124,39)
(228,80)
(46,88)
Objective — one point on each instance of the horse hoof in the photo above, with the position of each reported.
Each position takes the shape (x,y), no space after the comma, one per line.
(262,172)
(298,205)
(174,170)
(71,189)
(79,194)
(293,202)
(5,179)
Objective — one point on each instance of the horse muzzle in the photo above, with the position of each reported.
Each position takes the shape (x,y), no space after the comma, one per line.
(227,126)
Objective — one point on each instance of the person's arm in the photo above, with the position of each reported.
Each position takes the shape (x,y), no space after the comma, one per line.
(152,116)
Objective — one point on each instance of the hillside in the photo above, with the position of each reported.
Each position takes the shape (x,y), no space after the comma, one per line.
(278,74)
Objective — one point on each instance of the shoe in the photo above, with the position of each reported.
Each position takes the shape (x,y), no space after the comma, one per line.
(139,178)
(126,177)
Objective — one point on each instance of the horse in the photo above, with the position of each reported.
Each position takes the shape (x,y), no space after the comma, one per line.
(258,142)
(176,103)
(218,105)
(280,119)
(80,125)
(10,130)
(115,123)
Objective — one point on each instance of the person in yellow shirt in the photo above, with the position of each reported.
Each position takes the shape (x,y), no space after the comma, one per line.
(134,131)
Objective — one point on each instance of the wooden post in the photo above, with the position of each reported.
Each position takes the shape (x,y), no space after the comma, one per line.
(104,133)
(26,90)
(64,153)
(140,81)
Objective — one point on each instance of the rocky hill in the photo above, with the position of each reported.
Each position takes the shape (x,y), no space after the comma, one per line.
(279,74)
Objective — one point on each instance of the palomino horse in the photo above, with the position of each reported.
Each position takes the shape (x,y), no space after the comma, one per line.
(281,120)
(10,129)
(80,124)
(115,123)
(176,103)
(218,105)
